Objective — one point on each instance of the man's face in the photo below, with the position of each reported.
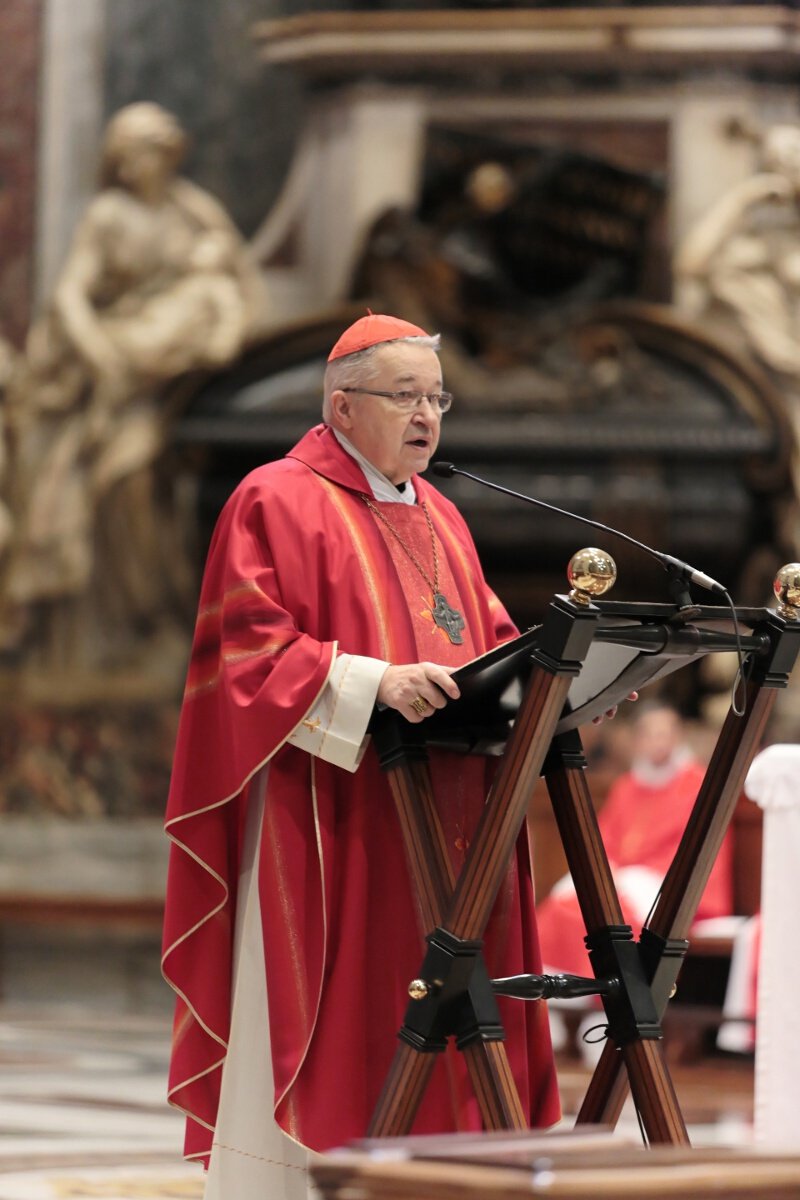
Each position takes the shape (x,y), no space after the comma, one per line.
(398,443)
(657,736)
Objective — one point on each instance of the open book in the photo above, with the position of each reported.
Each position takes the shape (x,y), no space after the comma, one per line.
(635,645)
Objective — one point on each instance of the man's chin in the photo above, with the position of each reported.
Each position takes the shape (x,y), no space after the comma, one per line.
(420,461)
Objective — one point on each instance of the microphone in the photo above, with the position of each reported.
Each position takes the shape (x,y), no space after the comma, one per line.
(680,572)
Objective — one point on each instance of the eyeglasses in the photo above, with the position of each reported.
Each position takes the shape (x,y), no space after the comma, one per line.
(440,402)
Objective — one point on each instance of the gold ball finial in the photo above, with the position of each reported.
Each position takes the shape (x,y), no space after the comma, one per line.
(418,989)
(591,572)
(786,586)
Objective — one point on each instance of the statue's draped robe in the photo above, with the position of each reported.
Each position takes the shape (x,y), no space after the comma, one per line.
(170,289)
(300,571)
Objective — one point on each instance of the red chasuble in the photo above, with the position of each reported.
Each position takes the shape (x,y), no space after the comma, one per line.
(299,569)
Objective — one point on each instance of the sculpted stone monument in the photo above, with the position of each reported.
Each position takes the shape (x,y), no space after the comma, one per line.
(502,258)
(743,258)
(739,270)
(157,282)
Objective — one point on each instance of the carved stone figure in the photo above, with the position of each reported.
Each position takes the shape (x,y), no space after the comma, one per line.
(740,269)
(157,282)
(743,258)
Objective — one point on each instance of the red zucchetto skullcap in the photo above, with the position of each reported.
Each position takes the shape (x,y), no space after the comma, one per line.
(371,331)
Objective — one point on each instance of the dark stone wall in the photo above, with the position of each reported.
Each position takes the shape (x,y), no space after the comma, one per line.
(20,22)
(197,58)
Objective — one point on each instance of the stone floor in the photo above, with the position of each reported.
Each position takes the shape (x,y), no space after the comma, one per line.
(82,1108)
(83,1056)
(84,1038)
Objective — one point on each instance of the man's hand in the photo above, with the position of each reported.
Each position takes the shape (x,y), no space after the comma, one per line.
(417,689)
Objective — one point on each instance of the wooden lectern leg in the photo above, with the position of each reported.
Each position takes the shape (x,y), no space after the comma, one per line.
(632,1016)
(642,1064)
(490,1075)
(653,1093)
(487,1062)
(607,1091)
(423,837)
(688,873)
(402,1092)
(494,1087)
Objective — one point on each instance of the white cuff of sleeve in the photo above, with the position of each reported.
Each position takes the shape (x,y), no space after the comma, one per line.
(335,727)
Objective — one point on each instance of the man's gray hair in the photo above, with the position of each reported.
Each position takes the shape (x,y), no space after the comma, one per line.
(355,370)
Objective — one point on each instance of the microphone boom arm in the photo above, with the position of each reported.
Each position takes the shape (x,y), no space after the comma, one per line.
(680,574)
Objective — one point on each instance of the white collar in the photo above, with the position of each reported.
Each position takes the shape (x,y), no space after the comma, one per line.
(652,776)
(382,488)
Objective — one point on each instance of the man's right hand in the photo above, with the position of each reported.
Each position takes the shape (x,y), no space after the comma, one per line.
(417,689)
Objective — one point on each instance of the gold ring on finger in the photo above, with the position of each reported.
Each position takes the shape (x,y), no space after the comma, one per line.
(419,704)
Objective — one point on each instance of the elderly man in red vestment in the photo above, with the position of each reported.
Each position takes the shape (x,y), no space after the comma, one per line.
(336,578)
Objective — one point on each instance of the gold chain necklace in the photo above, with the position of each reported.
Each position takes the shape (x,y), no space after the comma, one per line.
(444,615)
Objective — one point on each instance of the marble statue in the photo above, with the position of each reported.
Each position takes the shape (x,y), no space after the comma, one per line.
(157,282)
(738,273)
(742,261)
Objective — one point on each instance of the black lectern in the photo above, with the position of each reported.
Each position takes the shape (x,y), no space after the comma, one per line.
(525,702)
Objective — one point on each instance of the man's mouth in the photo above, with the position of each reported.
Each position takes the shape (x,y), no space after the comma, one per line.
(420,443)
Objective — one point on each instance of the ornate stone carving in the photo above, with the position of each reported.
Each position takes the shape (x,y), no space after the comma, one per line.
(157,282)
(739,269)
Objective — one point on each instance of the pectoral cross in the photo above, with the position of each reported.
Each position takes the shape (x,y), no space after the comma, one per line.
(447,618)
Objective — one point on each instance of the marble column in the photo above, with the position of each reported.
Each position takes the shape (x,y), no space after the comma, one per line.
(72,113)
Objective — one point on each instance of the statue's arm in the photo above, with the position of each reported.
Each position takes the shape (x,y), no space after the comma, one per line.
(723,219)
(72,298)
(206,210)
(211,216)
(766,314)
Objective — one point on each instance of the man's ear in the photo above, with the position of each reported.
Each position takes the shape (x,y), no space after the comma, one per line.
(342,408)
